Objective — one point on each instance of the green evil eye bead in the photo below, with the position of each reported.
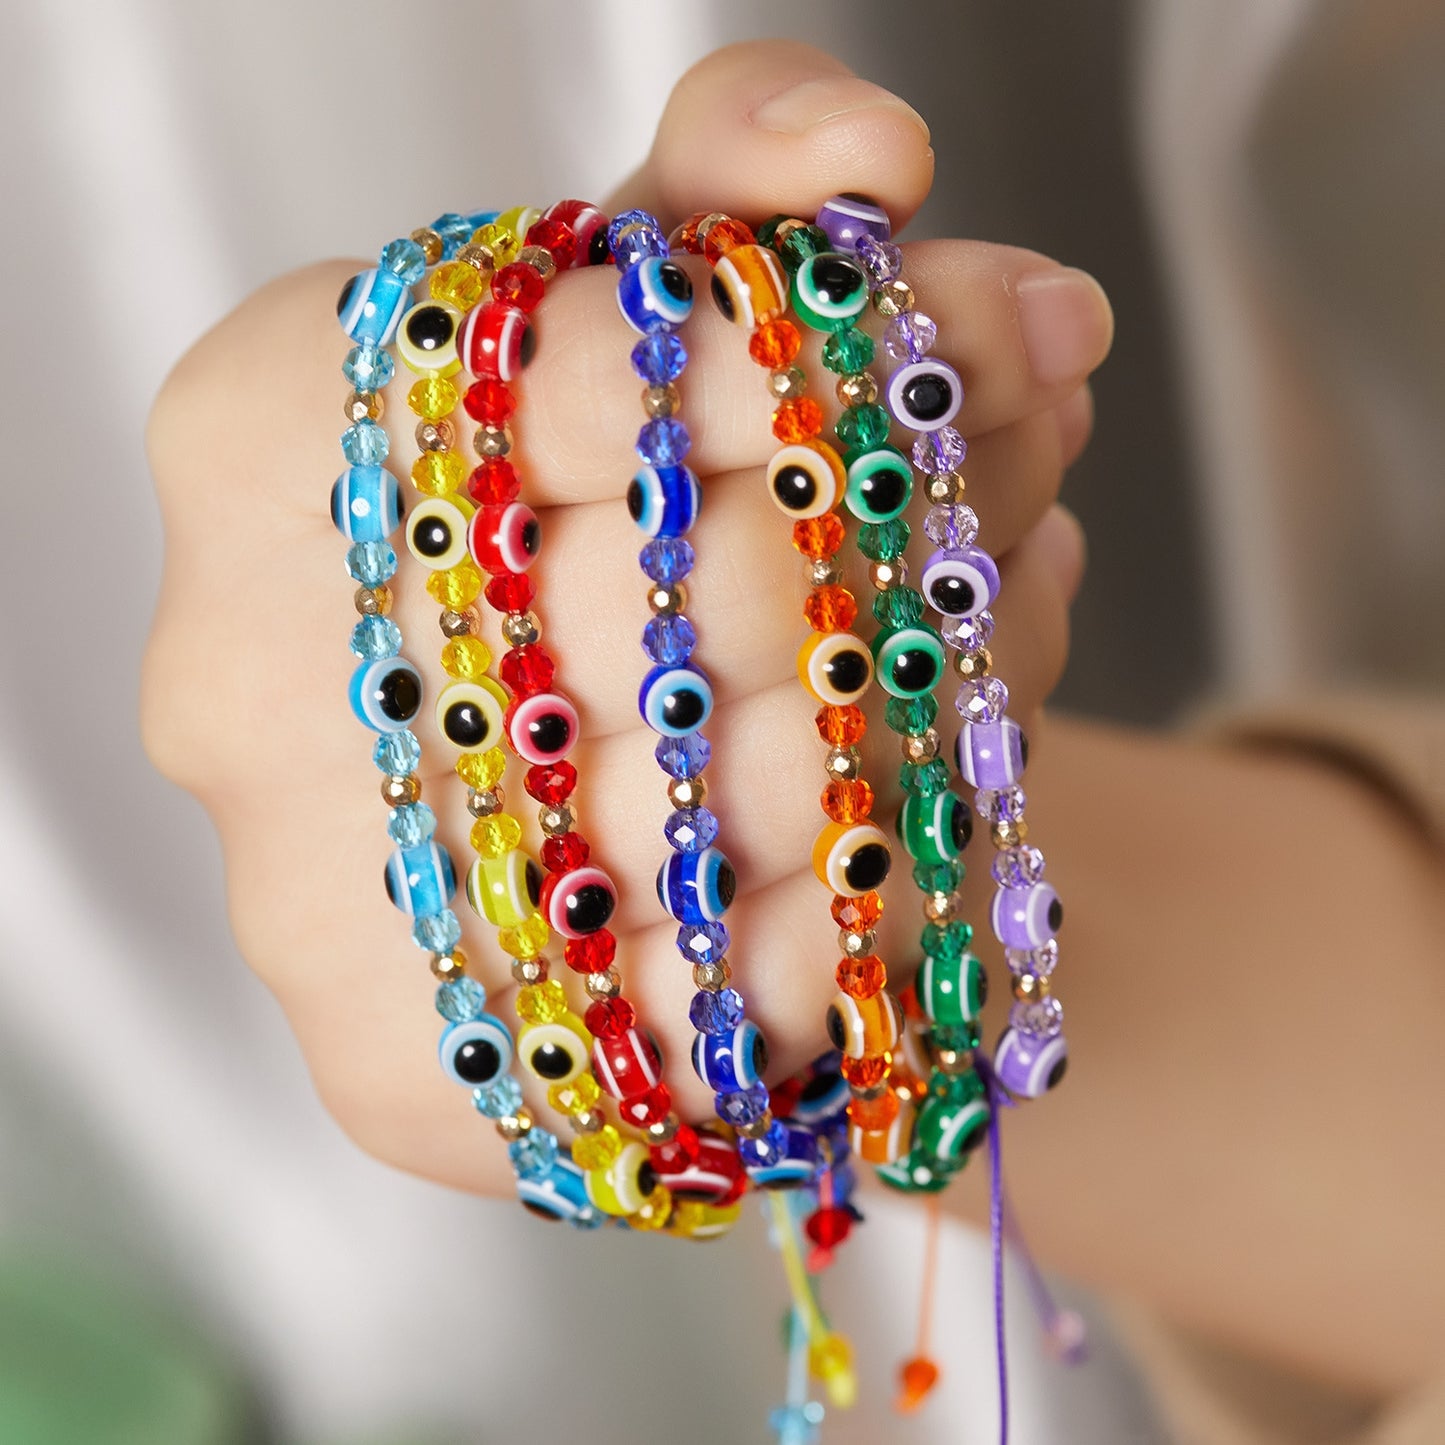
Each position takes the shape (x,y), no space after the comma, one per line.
(880,483)
(952,1127)
(935,828)
(951,991)
(908,661)
(829,291)
(916,1174)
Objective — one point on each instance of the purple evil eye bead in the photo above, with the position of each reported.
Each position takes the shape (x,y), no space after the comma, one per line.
(420,880)
(959,582)
(735,1060)
(1027,917)
(371,306)
(992,754)
(697,887)
(847,218)
(794,1161)
(654,295)
(1029,1066)
(366,504)
(925,395)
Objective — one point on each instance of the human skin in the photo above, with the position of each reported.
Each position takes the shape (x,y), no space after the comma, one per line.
(1216,1149)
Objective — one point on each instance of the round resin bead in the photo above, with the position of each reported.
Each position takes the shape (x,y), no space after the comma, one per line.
(823,1100)
(386,694)
(806,479)
(664,501)
(1026,917)
(627,1064)
(675,701)
(371,306)
(587,224)
(427,339)
(469,714)
(852,858)
(915,1173)
(864,1028)
(935,828)
(836,667)
(908,661)
(556,1052)
(504,538)
(991,754)
(697,887)
(496,340)
(925,395)
(735,1060)
(1028,1065)
(505,891)
(420,880)
(559,1193)
(579,902)
(880,484)
(959,582)
(793,1161)
(366,504)
(654,295)
(623,1186)
(950,1128)
(951,991)
(436,532)
(847,218)
(830,291)
(749,286)
(544,728)
(714,1174)
(883,1146)
(478,1052)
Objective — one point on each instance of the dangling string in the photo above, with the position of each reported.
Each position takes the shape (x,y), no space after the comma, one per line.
(797,1422)
(919,1375)
(997,1099)
(1064,1331)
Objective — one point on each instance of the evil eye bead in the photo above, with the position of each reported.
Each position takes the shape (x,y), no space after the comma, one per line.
(496,340)
(704,1221)
(796,1162)
(426,340)
(847,218)
(555,1053)
(560,1193)
(880,483)
(420,880)
(925,395)
(951,1128)
(749,285)
(959,583)
(863,1028)
(835,667)
(654,295)
(469,714)
(664,501)
(436,533)
(736,1060)
(829,291)
(625,1185)
(1029,1066)
(909,661)
(578,903)
(712,1175)
(951,991)
(587,222)
(371,306)
(991,754)
(543,729)
(627,1064)
(697,887)
(823,1100)
(478,1052)
(806,479)
(935,828)
(852,858)
(884,1146)
(675,701)
(366,504)
(504,537)
(915,1173)
(505,891)
(386,694)
(1027,917)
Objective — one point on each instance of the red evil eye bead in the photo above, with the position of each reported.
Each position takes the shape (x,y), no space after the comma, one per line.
(589,230)
(578,903)
(627,1064)
(504,538)
(542,729)
(712,1171)
(496,340)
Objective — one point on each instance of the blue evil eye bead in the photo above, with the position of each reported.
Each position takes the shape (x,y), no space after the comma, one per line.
(909,661)
(959,582)
(1029,1065)
(936,827)
(477,1053)
(625,1185)
(697,887)
(925,395)
(436,532)
(805,479)
(835,667)
(823,1100)
(470,715)
(578,903)
(793,1161)
(654,294)
(675,701)
(847,218)
(951,991)
(371,306)
(664,501)
(852,858)
(950,1128)
(829,291)
(880,483)
(505,891)
(366,504)
(749,286)
(735,1060)
(554,1052)
(559,1193)
(992,754)
(543,728)
(386,694)
(426,340)
(864,1027)
(1027,917)
(420,880)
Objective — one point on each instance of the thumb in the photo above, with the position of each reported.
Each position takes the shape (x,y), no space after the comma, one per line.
(769,125)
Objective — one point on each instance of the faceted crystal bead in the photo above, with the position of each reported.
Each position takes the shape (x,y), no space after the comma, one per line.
(651,1106)
(593,954)
(864,427)
(982,699)
(411,824)
(841,727)
(518,285)
(775,344)
(663,441)
(848,351)
(669,639)
(438,474)
(365,444)
(802,243)
(494,480)
(683,757)
(482,771)
(551,784)
(496,836)
(562,855)
(703,942)
(946,942)
(830,609)
(371,563)
(938,877)
(368,368)
(866,1073)
(659,358)
(432,398)
(534,1154)
(859,914)
(742,1106)
(861,977)
(876,1113)
(1044,1017)
(375,637)
(457,284)
(596,1151)
(940,451)
(461,999)
(968,634)
(404,259)
(490,401)
(437,932)
(457,588)
(765,1152)
(910,716)
(501,1097)
(797,420)
(723,237)
(924,780)
(397,753)
(818,537)
(1041,960)
(528,669)
(1002,805)
(555,236)
(1018,867)
(466,658)
(716,1013)
(454,230)
(882,260)
(951,525)
(542,1003)
(610,1018)
(910,337)
(527,939)
(898,607)
(690,830)
(680,1152)
(883,541)
(848,801)
(666,559)
(510,592)
(582,1093)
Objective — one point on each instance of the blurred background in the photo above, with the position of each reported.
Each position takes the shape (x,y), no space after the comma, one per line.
(190,1251)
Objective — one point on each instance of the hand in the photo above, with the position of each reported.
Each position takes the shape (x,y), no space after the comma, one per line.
(245,677)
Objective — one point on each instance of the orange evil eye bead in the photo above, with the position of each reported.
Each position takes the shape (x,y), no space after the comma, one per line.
(835,667)
(749,285)
(470,714)
(806,479)
(852,858)
(427,339)
(555,1052)
(436,532)
(891,1142)
(864,1028)
(505,891)
(623,1186)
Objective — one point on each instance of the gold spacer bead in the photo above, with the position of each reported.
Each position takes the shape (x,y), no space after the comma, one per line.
(373,601)
(430,243)
(887,575)
(940,907)
(557,821)
(922,747)
(858,389)
(844,764)
(521,628)
(662,599)
(664,1130)
(787,383)
(1008,835)
(363,406)
(398,789)
(951,1061)
(540,259)
(705,225)
(660,400)
(514,1126)
(893,298)
(479,257)
(484,804)
(604,985)
(588,1121)
(435,436)
(1030,987)
(447,967)
(758,1127)
(786,229)
(712,976)
(456,624)
(824,572)
(493,441)
(856,945)
(969,665)
(946,487)
(687,792)
(529,971)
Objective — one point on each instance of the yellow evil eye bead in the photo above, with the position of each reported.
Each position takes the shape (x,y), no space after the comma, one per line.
(519,220)
(691,1220)
(749,285)
(556,1052)
(806,480)
(835,667)
(470,714)
(504,890)
(829,290)
(427,339)
(436,532)
(620,1187)
(864,1028)
(852,858)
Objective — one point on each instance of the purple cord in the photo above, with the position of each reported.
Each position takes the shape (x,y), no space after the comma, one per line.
(997,1099)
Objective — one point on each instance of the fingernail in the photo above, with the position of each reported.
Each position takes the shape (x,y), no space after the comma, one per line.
(803,107)
(1066,323)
